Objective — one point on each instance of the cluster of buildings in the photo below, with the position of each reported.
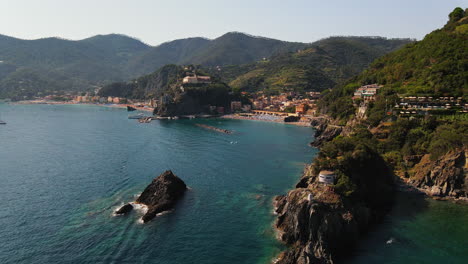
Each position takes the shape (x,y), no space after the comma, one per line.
(422,104)
(99,99)
(367,92)
(287,102)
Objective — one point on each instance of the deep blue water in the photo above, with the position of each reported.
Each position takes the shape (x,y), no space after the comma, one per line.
(64,169)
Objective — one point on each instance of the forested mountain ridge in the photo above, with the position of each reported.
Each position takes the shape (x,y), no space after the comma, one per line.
(318,66)
(62,64)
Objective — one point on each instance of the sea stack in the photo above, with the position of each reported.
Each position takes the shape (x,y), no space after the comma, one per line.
(161,194)
(124,209)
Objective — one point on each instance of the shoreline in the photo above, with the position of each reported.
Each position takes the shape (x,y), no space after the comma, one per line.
(254,118)
(40,102)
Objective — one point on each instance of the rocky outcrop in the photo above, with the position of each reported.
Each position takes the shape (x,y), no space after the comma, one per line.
(162,194)
(127,208)
(322,223)
(324,131)
(319,232)
(446,176)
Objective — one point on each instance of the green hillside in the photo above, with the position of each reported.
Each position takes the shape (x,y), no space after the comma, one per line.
(317,67)
(437,65)
(65,65)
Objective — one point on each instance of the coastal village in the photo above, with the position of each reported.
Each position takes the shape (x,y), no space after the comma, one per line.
(297,108)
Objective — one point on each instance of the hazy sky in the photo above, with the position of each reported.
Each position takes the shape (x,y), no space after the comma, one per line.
(157,21)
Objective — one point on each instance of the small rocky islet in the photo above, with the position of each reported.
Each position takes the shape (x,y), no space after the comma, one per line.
(160,195)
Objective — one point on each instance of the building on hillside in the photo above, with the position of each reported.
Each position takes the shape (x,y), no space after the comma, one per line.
(196,79)
(258,105)
(236,106)
(327,177)
(110,99)
(116,100)
(367,92)
(301,109)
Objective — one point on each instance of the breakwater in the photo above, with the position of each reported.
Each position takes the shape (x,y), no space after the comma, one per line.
(225,131)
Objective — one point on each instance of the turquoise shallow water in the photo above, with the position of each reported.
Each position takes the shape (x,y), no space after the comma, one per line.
(64,169)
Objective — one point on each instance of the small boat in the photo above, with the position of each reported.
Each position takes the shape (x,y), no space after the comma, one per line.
(2,122)
(130,109)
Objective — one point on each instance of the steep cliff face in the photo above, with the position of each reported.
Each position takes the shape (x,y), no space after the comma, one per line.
(324,131)
(318,231)
(445,177)
(321,223)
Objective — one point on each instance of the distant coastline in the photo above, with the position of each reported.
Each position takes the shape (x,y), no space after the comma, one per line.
(123,106)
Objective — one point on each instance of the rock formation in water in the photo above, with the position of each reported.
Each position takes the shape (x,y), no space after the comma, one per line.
(161,194)
(124,209)
(446,176)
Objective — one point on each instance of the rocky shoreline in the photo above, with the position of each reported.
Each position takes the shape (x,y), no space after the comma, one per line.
(321,226)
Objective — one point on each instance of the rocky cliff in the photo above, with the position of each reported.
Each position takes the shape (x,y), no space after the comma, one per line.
(446,176)
(324,131)
(322,223)
(318,231)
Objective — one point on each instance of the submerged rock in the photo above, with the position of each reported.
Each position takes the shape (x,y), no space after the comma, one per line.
(124,209)
(161,194)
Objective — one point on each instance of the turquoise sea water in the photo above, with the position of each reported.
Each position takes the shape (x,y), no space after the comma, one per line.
(64,169)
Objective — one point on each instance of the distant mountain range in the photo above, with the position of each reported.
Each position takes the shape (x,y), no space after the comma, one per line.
(33,67)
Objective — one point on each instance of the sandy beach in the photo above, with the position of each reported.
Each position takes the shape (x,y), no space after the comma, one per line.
(266,118)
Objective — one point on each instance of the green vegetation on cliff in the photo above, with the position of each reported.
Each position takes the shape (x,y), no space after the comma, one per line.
(175,97)
(320,66)
(436,65)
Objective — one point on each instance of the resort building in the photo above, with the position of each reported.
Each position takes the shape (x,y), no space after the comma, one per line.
(196,79)
(367,92)
(327,177)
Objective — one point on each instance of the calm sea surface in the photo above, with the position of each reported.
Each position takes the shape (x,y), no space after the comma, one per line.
(65,169)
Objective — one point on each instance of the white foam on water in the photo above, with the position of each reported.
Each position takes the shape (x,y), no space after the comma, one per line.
(140,208)
(163,213)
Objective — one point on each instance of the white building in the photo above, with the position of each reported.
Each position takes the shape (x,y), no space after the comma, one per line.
(327,177)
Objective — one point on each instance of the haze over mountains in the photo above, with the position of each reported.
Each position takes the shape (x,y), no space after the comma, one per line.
(36,67)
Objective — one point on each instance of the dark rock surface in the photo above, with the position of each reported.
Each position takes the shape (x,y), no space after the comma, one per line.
(445,177)
(161,194)
(324,131)
(317,231)
(124,209)
(322,225)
